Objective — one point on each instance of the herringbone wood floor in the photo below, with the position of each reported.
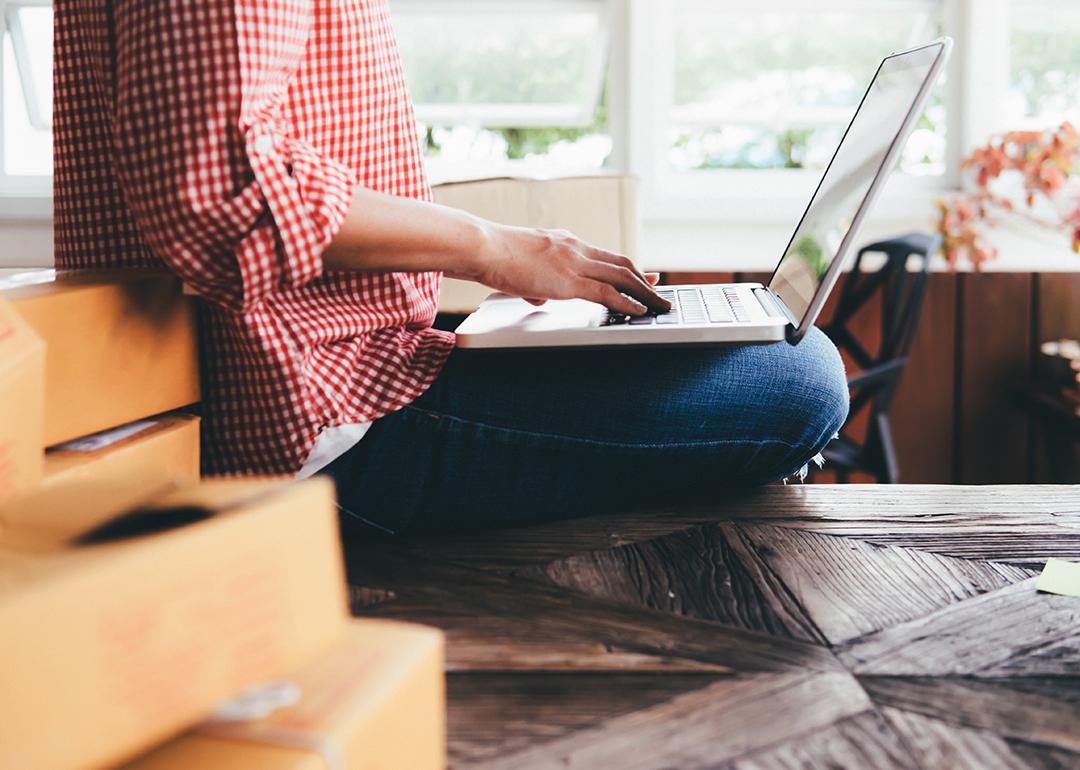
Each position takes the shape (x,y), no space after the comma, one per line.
(791,627)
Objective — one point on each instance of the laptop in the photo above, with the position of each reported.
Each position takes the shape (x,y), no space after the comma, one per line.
(807,272)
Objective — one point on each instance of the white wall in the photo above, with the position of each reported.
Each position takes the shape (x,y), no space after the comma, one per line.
(26,245)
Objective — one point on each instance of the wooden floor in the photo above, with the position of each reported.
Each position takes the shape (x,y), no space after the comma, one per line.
(792,627)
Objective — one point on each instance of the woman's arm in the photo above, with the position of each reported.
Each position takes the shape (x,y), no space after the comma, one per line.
(387,233)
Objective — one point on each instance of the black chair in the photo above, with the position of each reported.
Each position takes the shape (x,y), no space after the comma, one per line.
(903,288)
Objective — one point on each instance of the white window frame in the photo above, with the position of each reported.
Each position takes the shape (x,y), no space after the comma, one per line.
(518,115)
(22,198)
(978,76)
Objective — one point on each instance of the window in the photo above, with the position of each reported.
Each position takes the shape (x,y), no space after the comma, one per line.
(717,105)
(1044,58)
(747,102)
(497,81)
(754,88)
(26,70)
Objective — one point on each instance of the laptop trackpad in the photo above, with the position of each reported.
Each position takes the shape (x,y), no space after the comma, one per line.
(501,311)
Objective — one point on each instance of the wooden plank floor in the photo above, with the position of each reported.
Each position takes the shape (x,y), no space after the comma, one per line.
(790,627)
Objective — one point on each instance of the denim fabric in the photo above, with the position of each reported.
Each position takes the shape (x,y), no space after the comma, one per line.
(516,437)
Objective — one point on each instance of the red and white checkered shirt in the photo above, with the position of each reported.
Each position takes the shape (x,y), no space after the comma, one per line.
(224,139)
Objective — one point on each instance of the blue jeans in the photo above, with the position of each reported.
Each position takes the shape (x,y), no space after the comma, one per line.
(507,438)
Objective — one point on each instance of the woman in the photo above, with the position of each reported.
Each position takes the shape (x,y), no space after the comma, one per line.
(266,153)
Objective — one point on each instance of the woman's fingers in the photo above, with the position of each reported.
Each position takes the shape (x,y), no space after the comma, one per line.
(613,259)
(652,278)
(628,282)
(607,295)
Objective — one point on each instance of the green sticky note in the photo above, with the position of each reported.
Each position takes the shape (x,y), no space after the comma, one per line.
(1060,577)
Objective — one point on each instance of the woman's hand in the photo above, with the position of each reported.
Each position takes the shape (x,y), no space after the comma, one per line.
(553,264)
(386,233)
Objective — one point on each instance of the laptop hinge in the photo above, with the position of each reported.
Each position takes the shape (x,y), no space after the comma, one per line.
(775,306)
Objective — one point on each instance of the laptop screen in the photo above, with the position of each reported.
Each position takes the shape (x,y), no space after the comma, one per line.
(843,189)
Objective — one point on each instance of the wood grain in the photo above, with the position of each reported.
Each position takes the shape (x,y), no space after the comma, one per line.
(707,572)
(996,318)
(477,608)
(1011,631)
(491,715)
(1057,315)
(717,723)
(938,745)
(982,704)
(1002,523)
(851,588)
(787,627)
(923,408)
(863,741)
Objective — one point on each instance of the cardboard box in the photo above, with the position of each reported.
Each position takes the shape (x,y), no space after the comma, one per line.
(600,209)
(114,641)
(376,701)
(121,346)
(22,382)
(164,448)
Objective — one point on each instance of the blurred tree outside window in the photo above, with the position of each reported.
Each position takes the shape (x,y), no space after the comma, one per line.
(1044,65)
(508,81)
(760,89)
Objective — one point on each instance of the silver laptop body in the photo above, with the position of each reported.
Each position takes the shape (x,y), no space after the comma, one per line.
(807,271)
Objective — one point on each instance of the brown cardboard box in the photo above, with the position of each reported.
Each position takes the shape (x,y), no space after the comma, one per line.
(375,701)
(120,346)
(166,448)
(601,209)
(22,382)
(110,648)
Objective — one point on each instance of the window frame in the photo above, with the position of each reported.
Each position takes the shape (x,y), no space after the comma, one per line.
(22,198)
(521,115)
(978,74)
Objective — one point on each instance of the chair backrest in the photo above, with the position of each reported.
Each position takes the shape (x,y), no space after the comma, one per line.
(903,287)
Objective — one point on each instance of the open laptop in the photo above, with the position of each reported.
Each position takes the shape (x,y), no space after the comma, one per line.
(808,269)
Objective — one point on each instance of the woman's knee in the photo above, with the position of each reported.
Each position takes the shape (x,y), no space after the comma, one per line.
(819,389)
(805,403)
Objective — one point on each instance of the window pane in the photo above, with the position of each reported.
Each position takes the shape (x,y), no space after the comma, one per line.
(775,89)
(496,81)
(503,64)
(27,91)
(1044,87)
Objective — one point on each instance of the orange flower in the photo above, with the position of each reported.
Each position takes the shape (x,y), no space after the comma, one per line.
(1045,160)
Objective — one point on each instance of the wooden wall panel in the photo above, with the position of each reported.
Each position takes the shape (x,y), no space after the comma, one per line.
(951,418)
(1057,315)
(1058,306)
(995,314)
(673,279)
(922,413)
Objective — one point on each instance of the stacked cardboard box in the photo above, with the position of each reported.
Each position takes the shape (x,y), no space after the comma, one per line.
(129,612)
(600,208)
(92,367)
(374,701)
(164,447)
(119,346)
(22,377)
(133,611)
(134,600)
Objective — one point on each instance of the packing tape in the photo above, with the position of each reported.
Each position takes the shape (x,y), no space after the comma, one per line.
(239,718)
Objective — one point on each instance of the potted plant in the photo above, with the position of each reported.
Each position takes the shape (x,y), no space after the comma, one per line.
(1028,174)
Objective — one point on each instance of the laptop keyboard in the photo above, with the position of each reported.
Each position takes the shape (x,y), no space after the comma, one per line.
(691,306)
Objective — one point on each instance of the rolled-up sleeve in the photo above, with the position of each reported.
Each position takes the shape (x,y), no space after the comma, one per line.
(224,190)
